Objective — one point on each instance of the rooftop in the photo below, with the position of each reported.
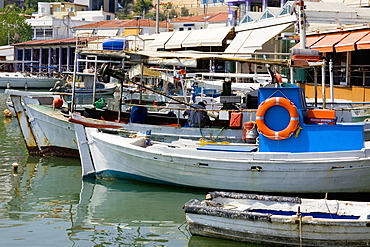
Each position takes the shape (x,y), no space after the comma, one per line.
(124,23)
(219,17)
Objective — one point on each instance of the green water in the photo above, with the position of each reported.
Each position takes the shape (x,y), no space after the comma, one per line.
(46,203)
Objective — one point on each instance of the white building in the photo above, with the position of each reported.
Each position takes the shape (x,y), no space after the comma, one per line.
(55,20)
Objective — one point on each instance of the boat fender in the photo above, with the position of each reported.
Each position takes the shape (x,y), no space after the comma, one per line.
(293,113)
(249,132)
(182,72)
(58,102)
(7,113)
(278,77)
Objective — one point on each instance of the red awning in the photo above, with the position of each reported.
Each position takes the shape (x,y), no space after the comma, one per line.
(310,40)
(327,43)
(363,43)
(349,42)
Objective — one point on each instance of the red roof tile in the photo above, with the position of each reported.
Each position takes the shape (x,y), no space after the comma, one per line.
(53,41)
(124,23)
(219,17)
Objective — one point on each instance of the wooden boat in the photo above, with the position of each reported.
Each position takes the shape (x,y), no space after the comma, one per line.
(279,220)
(305,158)
(50,131)
(23,80)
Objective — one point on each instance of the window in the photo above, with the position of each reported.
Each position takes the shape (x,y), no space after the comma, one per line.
(189,28)
(267,15)
(181,29)
(47,33)
(247,19)
(108,18)
(286,10)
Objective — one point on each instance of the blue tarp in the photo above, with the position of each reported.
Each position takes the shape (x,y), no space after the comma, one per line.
(115,45)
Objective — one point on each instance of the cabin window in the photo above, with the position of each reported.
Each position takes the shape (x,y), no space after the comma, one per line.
(181,29)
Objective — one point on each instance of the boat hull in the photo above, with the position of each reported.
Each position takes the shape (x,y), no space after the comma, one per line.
(239,171)
(278,233)
(273,220)
(27,82)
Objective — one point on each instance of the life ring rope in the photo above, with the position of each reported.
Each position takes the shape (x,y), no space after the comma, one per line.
(293,114)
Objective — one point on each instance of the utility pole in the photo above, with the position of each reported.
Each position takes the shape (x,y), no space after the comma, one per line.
(157,17)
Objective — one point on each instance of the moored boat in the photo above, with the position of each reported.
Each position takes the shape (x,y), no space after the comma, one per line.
(50,131)
(293,155)
(279,220)
(23,80)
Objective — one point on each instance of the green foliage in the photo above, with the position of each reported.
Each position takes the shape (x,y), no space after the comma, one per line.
(13,26)
(185,12)
(173,14)
(152,15)
(142,6)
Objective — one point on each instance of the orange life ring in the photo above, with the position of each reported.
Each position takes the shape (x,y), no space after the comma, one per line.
(293,113)
(182,72)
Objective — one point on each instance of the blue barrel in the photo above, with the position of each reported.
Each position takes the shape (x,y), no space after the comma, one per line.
(138,114)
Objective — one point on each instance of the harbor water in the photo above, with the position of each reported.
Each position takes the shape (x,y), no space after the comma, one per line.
(44,202)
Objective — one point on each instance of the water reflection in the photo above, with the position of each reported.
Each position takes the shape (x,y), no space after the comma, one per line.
(47,197)
(141,214)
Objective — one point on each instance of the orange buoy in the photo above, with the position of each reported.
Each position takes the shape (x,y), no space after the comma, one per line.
(57,103)
(182,72)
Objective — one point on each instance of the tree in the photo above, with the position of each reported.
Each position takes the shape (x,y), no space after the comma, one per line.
(184,12)
(142,6)
(13,26)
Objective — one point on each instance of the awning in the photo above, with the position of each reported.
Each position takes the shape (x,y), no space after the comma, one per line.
(252,40)
(161,40)
(176,40)
(131,31)
(349,42)
(327,43)
(206,37)
(84,33)
(184,62)
(195,38)
(215,36)
(237,42)
(310,40)
(107,32)
(363,43)
(216,25)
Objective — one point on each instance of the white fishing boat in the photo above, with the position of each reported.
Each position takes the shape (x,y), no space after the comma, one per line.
(279,220)
(296,157)
(48,130)
(26,80)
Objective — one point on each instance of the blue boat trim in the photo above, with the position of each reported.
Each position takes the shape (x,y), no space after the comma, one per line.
(314,215)
(227,148)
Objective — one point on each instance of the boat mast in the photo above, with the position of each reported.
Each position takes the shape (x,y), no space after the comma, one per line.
(74,78)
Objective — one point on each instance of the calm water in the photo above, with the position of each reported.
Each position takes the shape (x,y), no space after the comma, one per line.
(46,203)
